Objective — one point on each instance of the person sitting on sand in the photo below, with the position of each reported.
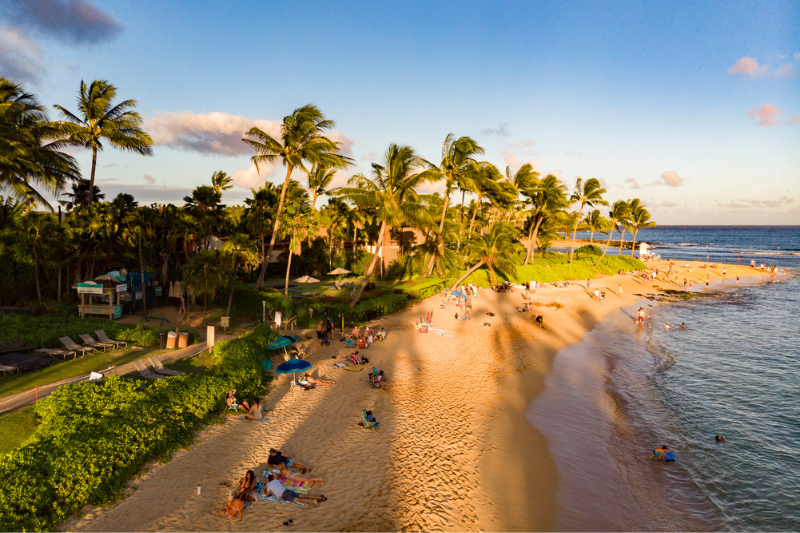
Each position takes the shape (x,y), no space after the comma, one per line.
(256,412)
(659,453)
(233,403)
(370,339)
(380,380)
(371,418)
(382,334)
(275,488)
(355,333)
(248,485)
(277,458)
(318,381)
(280,471)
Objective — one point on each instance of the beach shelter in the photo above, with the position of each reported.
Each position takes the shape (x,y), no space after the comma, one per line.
(338,272)
(282,342)
(293,366)
(306,279)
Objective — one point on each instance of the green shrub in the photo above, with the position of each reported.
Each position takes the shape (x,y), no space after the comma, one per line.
(93,437)
(589,249)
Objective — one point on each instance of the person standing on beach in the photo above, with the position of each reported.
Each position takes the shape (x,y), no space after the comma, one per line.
(684,284)
(620,291)
(640,316)
(320,330)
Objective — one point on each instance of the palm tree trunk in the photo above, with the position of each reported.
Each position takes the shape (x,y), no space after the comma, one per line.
(370,267)
(387,243)
(475,212)
(633,245)
(275,228)
(141,264)
(233,286)
(467,273)
(288,268)
(610,233)
(621,240)
(574,231)
(591,236)
(463,195)
(205,306)
(534,233)
(91,180)
(441,230)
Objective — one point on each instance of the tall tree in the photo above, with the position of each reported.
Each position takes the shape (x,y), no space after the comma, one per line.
(640,218)
(498,250)
(391,192)
(81,196)
(589,193)
(259,213)
(301,142)
(547,200)
(221,181)
(30,156)
(594,221)
(98,119)
(205,275)
(483,184)
(319,179)
(627,222)
(620,212)
(238,252)
(457,169)
(296,220)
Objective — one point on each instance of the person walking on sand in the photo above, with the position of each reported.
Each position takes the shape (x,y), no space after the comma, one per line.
(597,295)
(620,291)
(182,310)
(640,316)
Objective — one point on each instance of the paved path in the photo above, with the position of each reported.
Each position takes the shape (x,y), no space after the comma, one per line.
(22,399)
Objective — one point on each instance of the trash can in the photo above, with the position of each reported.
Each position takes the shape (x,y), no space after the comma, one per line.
(172,339)
(183,339)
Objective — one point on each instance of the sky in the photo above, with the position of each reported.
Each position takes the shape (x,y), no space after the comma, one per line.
(693,107)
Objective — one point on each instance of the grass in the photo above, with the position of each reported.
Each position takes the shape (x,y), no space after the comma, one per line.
(197,364)
(15,383)
(16,427)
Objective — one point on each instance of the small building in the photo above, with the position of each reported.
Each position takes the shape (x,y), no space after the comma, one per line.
(100,298)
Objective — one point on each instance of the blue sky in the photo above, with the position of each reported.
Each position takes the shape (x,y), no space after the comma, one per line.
(692,107)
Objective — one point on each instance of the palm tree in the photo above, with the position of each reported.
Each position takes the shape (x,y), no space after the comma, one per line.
(80,196)
(457,169)
(619,214)
(319,178)
(37,227)
(391,193)
(547,200)
(301,142)
(640,218)
(29,147)
(100,120)
(591,194)
(221,181)
(139,232)
(484,183)
(524,181)
(594,221)
(205,275)
(498,250)
(296,221)
(444,259)
(259,213)
(239,252)
(627,222)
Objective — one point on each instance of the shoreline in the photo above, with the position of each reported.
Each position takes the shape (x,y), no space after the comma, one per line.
(455,450)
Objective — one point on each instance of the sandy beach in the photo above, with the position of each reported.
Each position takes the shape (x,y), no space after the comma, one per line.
(454,451)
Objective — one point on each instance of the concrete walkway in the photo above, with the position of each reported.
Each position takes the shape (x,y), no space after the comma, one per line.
(21,399)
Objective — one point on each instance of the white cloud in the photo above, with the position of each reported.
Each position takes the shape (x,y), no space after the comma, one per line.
(148,179)
(251,178)
(749,67)
(501,130)
(631,183)
(766,114)
(756,204)
(669,178)
(20,58)
(511,160)
(786,71)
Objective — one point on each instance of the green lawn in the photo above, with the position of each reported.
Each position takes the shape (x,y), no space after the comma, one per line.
(12,384)
(16,427)
(196,364)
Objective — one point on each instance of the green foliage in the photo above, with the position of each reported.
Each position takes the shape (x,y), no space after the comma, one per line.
(589,249)
(93,437)
(44,331)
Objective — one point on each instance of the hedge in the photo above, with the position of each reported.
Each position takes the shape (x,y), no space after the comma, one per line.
(93,437)
(44,331)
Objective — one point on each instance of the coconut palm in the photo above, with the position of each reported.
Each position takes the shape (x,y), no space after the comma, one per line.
(594,221)
(484,183)
(589,193)
(239,252)
(546,200)
(296,221)
(98,120)
(524,181)
(640,218)
(204,275)
(259,213)
(619,214)
(30,156)
(498,250)
(80,197)
(221,181)
(139,232)
(627,222)
(319,178)
(301,142)
(37,227)
(444,259)
(457,169)
(390,192)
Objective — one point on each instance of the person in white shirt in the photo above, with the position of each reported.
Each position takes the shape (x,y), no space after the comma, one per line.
(275,488)
(278,319)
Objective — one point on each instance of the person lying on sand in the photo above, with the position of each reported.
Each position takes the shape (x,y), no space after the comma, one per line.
(281,471)
(275,488)
(277,458)
(318,381)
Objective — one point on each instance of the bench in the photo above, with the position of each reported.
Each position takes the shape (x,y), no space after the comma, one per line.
(14,346)
(155,315)
(290,324)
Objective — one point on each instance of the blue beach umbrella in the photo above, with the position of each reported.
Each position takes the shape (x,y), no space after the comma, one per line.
(459,294)
(283,342)
(293,366)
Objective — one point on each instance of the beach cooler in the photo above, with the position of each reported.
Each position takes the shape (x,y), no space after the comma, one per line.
(423,329)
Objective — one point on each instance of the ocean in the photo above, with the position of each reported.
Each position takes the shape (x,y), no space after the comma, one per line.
(734,371)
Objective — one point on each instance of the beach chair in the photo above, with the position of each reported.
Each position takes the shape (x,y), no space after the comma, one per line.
(141,366)
(5,369)
(159,367)
(351,343)
(54,353)
(101,334)
(94,344)
(367,423)
(70,345)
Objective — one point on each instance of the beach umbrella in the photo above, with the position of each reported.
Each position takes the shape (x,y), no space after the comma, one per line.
(459,294)
(283,341)
(306,279)
(293,366)
(338,272)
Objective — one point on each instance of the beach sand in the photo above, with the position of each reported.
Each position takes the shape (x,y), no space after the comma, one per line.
(454,451)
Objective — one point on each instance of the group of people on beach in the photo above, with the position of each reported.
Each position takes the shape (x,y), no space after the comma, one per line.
(253,410)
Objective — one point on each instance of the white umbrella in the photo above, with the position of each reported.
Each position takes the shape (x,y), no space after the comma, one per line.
(306,279)
(338,272)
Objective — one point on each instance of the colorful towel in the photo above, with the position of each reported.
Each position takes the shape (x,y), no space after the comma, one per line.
(273,499)
(300,487)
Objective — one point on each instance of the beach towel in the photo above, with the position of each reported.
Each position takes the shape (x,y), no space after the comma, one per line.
(300,487)
(273,499)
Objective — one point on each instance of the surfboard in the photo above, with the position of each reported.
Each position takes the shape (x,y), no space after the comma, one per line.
(354,368)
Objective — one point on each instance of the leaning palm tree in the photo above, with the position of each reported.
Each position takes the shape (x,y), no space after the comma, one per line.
(547,200)
(319,179)
(301,142)
(30,156)
(204,275)
(390,192)
(589,193)
(98,119)
(498,250)
(640,218)
(239,252)
(619,214)
(457,169)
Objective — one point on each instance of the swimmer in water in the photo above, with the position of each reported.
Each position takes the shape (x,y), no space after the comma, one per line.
(666,326)
(659,453)
(720,438)
(683,325)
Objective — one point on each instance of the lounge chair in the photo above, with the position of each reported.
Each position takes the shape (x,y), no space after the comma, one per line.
(70,345)
(54,352)
(101,334)
(94,344)
(156,362)
(367,423)
(141,366)
(5,369)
